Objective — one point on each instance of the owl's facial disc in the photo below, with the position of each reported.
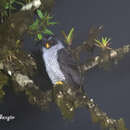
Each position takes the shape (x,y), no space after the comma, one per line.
(49,41)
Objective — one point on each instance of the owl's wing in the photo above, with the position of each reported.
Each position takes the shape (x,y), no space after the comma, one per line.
(69,67)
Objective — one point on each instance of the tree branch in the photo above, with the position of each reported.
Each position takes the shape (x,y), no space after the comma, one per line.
(112,54)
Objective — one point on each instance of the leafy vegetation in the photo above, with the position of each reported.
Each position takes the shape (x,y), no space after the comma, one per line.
(41,24)
(69,37)
(104,43)
(7,5)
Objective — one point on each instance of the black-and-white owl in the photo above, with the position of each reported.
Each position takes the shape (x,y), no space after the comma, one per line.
(59,63)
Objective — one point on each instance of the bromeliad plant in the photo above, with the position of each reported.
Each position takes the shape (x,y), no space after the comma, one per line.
(104,43)
(41,24)
(68,38)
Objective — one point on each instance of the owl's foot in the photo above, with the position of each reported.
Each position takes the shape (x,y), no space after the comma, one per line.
(59,83)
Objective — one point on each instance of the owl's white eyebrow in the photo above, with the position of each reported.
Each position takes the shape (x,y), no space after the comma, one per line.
(49,38)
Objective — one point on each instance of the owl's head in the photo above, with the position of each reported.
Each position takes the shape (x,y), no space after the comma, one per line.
(49,41)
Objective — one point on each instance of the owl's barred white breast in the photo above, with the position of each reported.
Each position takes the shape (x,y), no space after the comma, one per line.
(51,63)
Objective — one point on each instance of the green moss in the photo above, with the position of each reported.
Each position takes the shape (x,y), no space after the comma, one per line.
(64,102)
(94,118)
(121,124)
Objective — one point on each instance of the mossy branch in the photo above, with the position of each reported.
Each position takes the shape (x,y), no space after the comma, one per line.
(108,56)
(75,98)
(89,44)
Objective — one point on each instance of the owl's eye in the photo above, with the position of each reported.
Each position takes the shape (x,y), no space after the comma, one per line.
(47,45)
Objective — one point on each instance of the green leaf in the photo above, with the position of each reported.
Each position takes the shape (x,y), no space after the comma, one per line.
(104,42)
(35,25)
(64,34)
(50,17)
(39,35)
(52,23)
(49,32)
(6,6)
(70,35)
(98,42)
(40,14)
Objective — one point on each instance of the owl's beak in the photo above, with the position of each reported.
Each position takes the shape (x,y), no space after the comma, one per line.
(47,45)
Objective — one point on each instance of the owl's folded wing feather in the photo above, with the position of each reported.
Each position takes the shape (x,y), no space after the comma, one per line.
(69,66)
